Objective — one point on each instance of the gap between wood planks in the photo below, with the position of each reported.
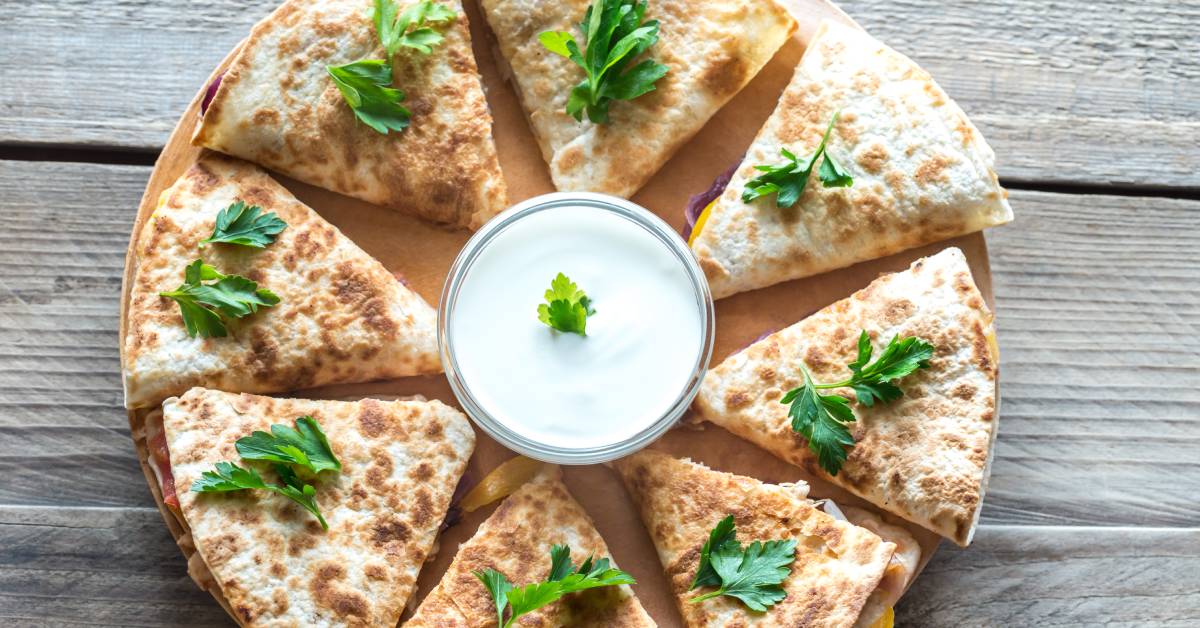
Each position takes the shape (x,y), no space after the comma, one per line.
(133,157)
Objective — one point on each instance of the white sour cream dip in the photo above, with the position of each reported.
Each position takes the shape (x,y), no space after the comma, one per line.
(646,346)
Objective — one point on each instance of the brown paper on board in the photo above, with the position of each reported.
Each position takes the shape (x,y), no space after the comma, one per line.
(422,253)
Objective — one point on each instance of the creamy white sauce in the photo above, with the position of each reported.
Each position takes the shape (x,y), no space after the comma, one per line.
(563,389)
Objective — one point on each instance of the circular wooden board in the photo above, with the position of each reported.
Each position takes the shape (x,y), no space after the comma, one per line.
(423,252)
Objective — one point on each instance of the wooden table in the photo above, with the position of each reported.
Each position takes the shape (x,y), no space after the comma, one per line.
(1093,516)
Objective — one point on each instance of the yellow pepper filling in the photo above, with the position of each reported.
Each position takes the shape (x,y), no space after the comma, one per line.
(885,620)
(700,221)
(501,482)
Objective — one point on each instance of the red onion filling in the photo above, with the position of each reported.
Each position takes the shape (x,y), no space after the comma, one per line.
(210,93)
(697,202)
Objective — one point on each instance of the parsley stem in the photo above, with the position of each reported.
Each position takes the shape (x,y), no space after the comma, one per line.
(707,596)
(842,384)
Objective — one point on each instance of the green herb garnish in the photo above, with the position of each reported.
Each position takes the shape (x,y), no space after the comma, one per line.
(566,308)
(230,477)
(822,419)
(304,446)
(203,304)
(564,578)
(614,35)
(753,575)
(410,29)
(244,225)
(366,85)
(788,181)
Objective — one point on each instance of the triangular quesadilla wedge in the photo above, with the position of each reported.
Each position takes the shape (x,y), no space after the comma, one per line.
(269,560)
(921,171)
(277,106)
(837,565)
(925,456)
(901,570)
(516,540)
(712,49)
(341,316)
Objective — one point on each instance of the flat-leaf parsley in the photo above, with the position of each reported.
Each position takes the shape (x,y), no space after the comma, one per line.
(823,419)
(566,308)
(614,35)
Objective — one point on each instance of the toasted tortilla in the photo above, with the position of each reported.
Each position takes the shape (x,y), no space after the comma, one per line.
(900,571)
(277,106)
(837,564)
(342,317)
(273,563)
(925,456)
(922,172)
(515,540)
(711,47)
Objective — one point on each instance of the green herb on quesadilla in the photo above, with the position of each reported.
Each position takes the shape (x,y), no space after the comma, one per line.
(245,225)
(753,574)
(566,308)
(230,477)
(203,304)
(788,181)
(304,446)
(410,29)
(366,85)
(614,35)
(822,419)
(564,578)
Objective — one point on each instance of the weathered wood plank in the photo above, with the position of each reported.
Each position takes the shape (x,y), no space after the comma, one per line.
(1063,90)
(1098,92)
(1098,313)
(96,566)
(107,566)
(1061,576)
(1100,419)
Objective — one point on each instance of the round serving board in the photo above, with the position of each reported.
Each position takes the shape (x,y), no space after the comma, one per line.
(423,252)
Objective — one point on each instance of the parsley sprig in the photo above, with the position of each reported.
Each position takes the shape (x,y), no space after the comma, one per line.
(305,447)
(245,225)
(614,35)
(564,578)
(566,308)
(788,181)
(411,28)
(366,85)
(204,304)
(753,574)
(823,419)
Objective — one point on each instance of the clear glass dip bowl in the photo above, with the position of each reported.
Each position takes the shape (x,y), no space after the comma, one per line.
(462,267)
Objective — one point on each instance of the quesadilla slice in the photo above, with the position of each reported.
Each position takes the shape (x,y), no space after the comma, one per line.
(338,314)
(516,541)
(269,561)
(925,455)
(278,105)
(836,565)
(918,171)
(710,49)
(901,569)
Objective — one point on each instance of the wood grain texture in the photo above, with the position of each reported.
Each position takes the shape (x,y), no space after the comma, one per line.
(1097,313)
(96,566)
(1061,576)
(1096,92)
(1064,91)
(75,566)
